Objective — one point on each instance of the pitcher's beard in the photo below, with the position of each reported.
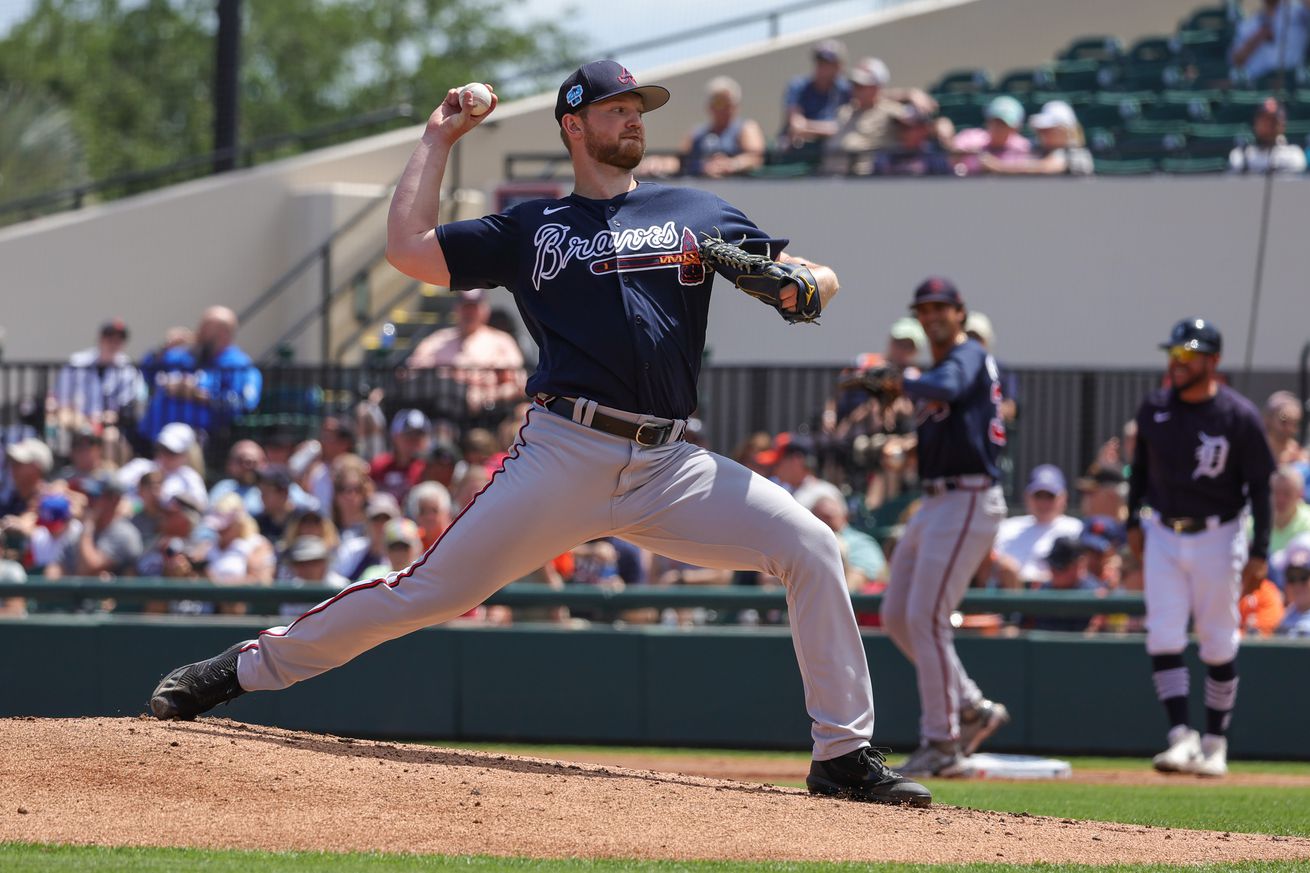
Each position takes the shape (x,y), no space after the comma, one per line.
(625,154)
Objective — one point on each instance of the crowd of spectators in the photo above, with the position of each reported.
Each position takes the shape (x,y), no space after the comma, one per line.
(847,118)
(366,493)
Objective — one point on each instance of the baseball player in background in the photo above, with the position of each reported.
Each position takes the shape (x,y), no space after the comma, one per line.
(961,435)
(1201,455)
(610,284)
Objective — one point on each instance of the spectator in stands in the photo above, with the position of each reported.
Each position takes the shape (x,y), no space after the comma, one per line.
(1271,152)
(1068,572)
(244,461)
(865,124)
(402,547)
(308,562)
(100,386)
(13,544)
(865,562)
(177,455)
(1291,513)
(86,458)
(400,469)
(148,510)
(29,462)
(795,471)
(1060,143)
(55,531)
(1103,491)
(1023,542)
(275,495)
(725,145)
(811,102)
(444,463)
(308,523)
(999,139)
(1282,418)
(487,361)
(428,505)
(1261,612)
(1271,39)
(1104,562)
(916,149)
(240,555)
(178,565)
(208,385)
(351,489)
(1296,621)
(336,437)
(180,521)
(108,545)
(356,556)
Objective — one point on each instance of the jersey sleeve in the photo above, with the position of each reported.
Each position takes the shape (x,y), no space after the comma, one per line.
(736,228)
(1139,474)
(481,252)
(1258,469)
(949,379)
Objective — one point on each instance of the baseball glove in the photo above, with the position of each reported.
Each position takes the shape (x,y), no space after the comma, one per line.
(882,381)
(764,279)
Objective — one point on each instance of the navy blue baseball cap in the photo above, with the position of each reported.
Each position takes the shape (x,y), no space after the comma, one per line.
(1197,335)
(935,289)
(601,80)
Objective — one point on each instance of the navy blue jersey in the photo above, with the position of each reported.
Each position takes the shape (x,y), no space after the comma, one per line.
(613,291)
(1196,460)
(958,414)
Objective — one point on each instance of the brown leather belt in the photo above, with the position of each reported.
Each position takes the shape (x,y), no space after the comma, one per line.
(934,487)
(1194,525)
(647,435)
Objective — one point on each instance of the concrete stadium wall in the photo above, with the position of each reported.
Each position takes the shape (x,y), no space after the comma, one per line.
(736,687)
(159,258)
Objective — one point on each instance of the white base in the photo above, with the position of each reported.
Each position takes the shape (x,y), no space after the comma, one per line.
(984,765)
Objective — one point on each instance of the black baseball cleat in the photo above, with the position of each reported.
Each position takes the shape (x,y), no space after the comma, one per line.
(864,775)
(199,687)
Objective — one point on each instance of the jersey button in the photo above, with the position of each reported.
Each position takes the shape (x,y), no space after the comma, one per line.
(640,320)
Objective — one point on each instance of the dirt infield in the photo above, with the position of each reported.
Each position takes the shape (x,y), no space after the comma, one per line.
(215,783)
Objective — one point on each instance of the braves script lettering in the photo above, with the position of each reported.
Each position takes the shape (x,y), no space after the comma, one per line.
(556,248)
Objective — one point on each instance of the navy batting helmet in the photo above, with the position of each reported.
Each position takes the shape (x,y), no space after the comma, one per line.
(1195,334)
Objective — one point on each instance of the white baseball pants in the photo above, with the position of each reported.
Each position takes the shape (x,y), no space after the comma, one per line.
(1197,576)
(564,484)
(943,546)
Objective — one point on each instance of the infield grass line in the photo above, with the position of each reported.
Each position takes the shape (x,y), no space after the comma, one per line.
(40,858)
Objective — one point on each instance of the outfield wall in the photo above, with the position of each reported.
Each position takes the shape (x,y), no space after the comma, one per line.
(732,687)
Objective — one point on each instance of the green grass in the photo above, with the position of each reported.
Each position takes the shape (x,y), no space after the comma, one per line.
(23,858)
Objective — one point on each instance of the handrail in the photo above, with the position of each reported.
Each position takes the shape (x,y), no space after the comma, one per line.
(243,154)
(772,16)
(731,597)
(318,252)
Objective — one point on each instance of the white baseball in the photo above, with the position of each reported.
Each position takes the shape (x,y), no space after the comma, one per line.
(481,97)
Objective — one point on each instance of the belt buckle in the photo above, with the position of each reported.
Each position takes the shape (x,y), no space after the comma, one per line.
(661,435)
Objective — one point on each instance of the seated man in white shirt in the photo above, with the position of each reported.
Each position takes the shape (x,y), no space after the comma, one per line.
(1023,542)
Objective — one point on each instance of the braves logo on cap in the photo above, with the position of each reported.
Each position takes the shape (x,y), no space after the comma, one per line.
(625,78)
(574,96)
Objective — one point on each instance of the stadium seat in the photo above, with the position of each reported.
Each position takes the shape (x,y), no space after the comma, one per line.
(1197,45)
(1144,146)
(1102,49)
(1190,106)
(964,110)
(1221,18)
(1156,128)
(1105,115)
(1215,140)
(1194,165)
(1080,75)
(1298,129)
(1238,107)
(971,81)
(1121,167)
(1018,82)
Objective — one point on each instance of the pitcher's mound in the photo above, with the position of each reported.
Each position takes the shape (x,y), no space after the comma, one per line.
(215,783)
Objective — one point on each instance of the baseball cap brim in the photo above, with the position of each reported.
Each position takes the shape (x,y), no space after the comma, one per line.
(652,96)
(1194,345)
(936,298)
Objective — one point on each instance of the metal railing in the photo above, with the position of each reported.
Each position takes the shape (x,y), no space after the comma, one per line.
(1064,604)
(1064,415)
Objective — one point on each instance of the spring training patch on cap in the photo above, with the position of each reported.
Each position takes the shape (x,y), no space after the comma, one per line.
(574,96)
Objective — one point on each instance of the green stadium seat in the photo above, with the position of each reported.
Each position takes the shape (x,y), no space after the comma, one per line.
(1197,45)
(1238,107)
(1157,128)
(1100,140)
(1194,165)
(1151,50)
(1145,146)
(970,81)
(1103,49)
(1180,106)
(1221,19)
(1216,140)
(1107,115)
(1083,75)
(1298,129)
(1122,167)
(1017,82)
